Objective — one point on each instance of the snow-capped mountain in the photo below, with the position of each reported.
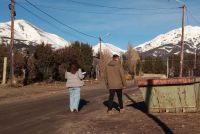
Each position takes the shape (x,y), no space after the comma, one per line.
(112,49)
(169,43)
(29,34)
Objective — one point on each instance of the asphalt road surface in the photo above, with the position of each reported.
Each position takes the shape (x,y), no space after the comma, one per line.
(46,115)
(51,115)
(40,116)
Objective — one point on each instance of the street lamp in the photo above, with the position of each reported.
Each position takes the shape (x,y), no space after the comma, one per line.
(100,51)
(180,2)
(100,41)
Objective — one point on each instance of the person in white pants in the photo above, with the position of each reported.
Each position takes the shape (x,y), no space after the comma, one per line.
(74,83)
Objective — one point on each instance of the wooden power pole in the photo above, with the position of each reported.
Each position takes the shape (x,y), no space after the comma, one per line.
(100,47)
(167,67)
(195,62)
(182,41)
(100,57)
(12,14)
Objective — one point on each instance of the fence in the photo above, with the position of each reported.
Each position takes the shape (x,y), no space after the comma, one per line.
(170,67)
(3,69)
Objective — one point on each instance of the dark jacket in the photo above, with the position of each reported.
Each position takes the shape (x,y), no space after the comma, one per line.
(114,75)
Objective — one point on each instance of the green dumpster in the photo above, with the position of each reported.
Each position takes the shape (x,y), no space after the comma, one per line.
(172,94)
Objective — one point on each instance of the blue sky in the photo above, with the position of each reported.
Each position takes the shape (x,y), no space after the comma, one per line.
(125,25)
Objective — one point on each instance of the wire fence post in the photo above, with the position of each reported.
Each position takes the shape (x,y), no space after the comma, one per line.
(167,67)
(4,70)
(100,57)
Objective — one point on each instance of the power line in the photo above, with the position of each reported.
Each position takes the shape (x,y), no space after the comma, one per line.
(40,18)
(37,16)
(194,18)
(106,13)
(121,8)
(187,17)
(64,9)
(58,21)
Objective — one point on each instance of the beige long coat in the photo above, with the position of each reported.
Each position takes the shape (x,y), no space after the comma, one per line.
(114,75)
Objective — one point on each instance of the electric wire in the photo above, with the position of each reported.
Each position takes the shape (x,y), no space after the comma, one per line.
(44,20)
(64,9)
(187,17)
(192,16)
(121,8)
(60,22)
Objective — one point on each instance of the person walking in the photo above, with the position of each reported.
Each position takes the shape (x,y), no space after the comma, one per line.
(115,82)
(74,83)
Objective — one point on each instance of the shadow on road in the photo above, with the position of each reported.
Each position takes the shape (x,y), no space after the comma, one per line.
(115,105)
(82,103)
(141,106)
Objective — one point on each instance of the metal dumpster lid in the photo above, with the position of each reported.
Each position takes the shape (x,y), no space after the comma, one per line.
(168,81)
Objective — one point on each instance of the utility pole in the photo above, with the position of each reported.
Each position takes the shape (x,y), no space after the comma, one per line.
(100,56)
(195,61)
(182,41)
(100,53)
(167,67)
(100,47)
(12,14)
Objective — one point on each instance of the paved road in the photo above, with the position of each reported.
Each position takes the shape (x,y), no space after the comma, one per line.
(51,115)
(46,115)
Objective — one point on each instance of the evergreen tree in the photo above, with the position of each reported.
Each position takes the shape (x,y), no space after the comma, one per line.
(44,61)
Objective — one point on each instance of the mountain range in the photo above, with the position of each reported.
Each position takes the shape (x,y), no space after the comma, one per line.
(169,43)
(110,48)
(28,35)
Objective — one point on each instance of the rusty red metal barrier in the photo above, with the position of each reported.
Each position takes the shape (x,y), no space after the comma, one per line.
(169,81)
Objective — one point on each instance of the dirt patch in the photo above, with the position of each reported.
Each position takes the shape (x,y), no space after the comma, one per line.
(135,120)
(12,94)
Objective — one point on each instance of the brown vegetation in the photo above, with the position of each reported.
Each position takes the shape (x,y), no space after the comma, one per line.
(131,60)
(46,63)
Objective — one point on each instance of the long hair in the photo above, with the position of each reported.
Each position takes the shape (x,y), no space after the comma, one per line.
(73,67)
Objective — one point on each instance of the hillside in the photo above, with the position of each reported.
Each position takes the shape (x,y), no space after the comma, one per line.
(169,43)
(28,34)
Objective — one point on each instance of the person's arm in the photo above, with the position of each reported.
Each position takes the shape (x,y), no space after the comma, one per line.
(106,77)
(80,74)
(123,77)
(66,75)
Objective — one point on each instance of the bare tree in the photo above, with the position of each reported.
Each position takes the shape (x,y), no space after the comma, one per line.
(106,56)
(131,59)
